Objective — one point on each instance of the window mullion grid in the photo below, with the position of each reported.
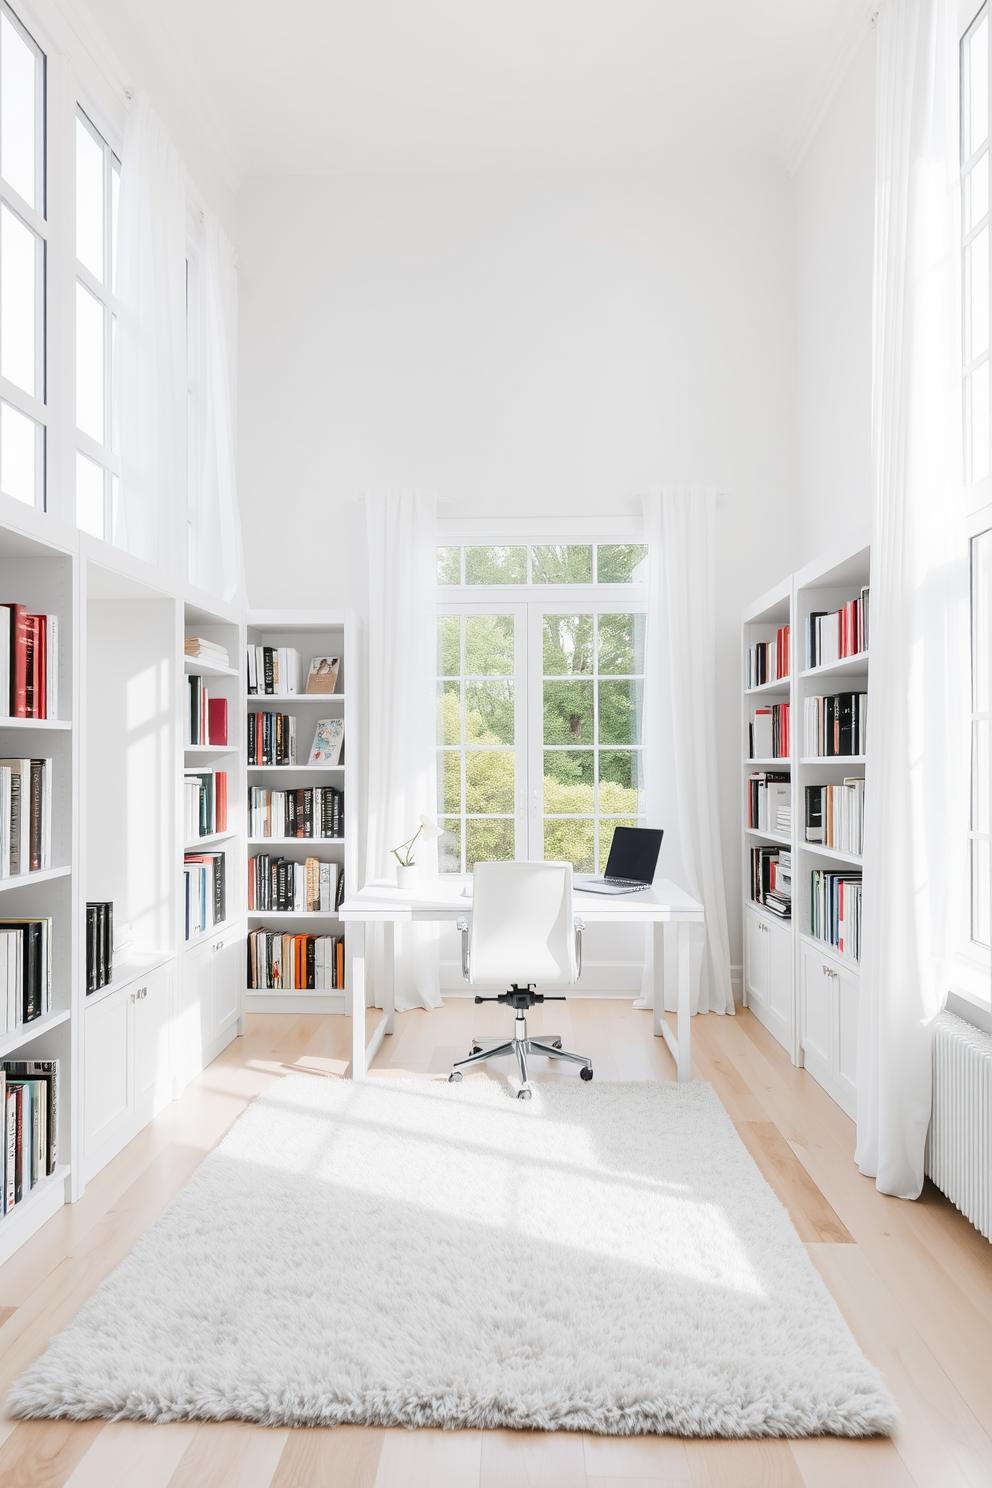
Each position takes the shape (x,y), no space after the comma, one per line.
(595,742)
(462,777)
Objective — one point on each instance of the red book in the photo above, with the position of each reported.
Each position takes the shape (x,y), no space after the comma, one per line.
(217,721)
(18,660)
(339,958)
(220,786)
(31,666)
(41,666)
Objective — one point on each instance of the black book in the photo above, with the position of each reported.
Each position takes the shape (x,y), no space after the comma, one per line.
(292,814)
(281,867)
(814,813)
(32,972)
(307,822)
(47,1072)
(311,962)
(91,980)
(812,649)
(268,669)
(847,723)
(220,890)
(830,725)
(339,895)
(251,738)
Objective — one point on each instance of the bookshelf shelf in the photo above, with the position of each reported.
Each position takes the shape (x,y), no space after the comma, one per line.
(203,751)
(193,666)
(40,875)
(833,759)
(781,684)
(203,937)
(779,760)
(292,914)
(769,836)
(295,841)
(28,1032)
(857,663)
(824,948)
(34,724)
(138,965)
(293,697)
(44,1200)
(832,853)
(211,841)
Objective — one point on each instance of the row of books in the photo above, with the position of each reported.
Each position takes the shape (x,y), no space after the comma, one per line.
(25,971)
(206,715)
(771,879)
(29,1103)
(768,661)
(204,803)
(272,740)
(835,910)
(316,811)
(769,732)
(29,663)
(99,944)
(835,815)
(200,649)
(275,669)
(769,802)
(205,891)
(304,963)
(836,726)
(310,887)
(25,815)
(833,634)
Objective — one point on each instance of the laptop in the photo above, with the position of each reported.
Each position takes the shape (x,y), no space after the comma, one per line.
(631,864)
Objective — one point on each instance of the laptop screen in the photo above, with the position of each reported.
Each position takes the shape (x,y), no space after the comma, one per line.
(634,853)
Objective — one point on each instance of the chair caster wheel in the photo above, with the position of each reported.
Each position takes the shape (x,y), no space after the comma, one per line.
(455,1077)
(523,1093)
(475,1049)
(556,1044)
(586,1072)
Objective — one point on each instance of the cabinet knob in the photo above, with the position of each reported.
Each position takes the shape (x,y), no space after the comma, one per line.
(134,996)
(829,971)
(219,946)
(142,992)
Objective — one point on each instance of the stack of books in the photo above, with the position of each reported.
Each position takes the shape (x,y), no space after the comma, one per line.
(835,910)
(301,888)
(29,663)
(769,806)
(304,963)
(769,732)
(835,815)
(768,661)
(277,670)
(271,739)
(25,816)
(210,651)
(206,720)
(771,879)
(29,1113)
(832,635)
(205,898)
(836,726)
(99,944)
(205,803)
(25,971)
(316,811)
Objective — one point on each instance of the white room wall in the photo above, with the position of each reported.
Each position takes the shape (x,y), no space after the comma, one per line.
(834,206)
(526,345)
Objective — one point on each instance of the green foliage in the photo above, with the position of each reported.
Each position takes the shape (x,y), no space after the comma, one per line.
(449,563)
(561,564)
(615,562)
(496,565)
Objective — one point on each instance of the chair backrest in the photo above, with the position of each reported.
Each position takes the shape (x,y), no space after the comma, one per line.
(523,926)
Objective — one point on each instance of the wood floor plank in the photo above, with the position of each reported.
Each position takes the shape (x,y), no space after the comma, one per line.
(230,1454)
(532,1459)
(813,1217)
(329,1457)
(742,1464)
(662,1457)
(137,1452)
(430,1459)
(635,1482)
(42,1454)
(829,1462)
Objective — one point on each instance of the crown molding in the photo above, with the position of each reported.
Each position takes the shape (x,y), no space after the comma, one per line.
(851,24)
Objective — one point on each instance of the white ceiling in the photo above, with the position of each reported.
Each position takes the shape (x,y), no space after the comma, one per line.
(312,86)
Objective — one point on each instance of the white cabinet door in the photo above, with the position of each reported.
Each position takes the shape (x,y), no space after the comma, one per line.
(848,985)
(227,982)
(197,1009)
(818,994)
(756,958)
(108,1089)
(152,1004)
(780,979)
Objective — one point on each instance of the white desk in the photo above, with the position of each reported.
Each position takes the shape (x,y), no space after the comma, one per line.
(382,903)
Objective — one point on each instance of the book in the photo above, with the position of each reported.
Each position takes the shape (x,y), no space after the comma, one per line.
(277,670)
(17,844)
(323,674)
(44,1075)
(297,962)
(835,725)
(768,661)
(99,944)
(309,812)
(206,891)
(835,910)
(30,663)
(328,741)
(271,739)
(199,647)
(217,721)
(32,994)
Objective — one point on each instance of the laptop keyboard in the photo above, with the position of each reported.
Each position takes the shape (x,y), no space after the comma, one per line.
(625,883)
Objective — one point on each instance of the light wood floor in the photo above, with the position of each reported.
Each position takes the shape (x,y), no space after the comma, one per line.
(913,1280)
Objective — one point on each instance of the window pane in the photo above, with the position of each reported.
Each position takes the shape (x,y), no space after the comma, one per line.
(449,713)
(976,263)
(606,829)
(21,456)
(981,618)
(89,364)
(568,715)
(980,775)
(569,782)
(620,712)
(449,662)
(495,565)
(449,847)
(976,193)
(981,889)
(115,196)
(20,113)
(89,496)
(489,645)
(489,842)
(561,565)
(977,403)
(976,113)
(89,200)
(489,780)
(449,565)
(449,783)
(616,563)
(489,712)
(620,782)
(570,840)
(621,644)
(567,645)
(20,306)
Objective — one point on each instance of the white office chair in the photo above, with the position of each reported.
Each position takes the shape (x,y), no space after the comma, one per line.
(523,931)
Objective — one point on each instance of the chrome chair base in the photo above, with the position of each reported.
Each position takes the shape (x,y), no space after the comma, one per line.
(520,1045)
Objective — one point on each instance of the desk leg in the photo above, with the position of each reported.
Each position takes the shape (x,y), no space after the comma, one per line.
(684,996)
(389,974)
(356,935)
(660,1026)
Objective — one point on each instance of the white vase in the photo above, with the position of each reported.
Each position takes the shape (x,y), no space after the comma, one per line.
(407,875)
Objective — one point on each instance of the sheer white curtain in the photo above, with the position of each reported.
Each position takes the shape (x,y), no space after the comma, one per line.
(916,779)
(150,357)
(680,755)
(218,562)
(402,773)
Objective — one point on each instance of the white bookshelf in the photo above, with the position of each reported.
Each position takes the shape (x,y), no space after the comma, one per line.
(312,633)
(802,988)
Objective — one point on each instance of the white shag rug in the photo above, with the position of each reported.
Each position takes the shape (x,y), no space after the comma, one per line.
(604,1258)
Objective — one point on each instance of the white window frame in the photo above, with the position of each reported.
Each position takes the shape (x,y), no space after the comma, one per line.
(107,454)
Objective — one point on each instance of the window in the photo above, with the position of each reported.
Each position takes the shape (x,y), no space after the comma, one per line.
(540,700)
(23,250)
(975,261)
(981,760)
(97,460)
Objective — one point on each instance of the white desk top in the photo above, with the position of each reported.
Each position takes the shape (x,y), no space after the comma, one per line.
(442,899)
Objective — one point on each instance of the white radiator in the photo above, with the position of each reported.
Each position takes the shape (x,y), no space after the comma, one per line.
(959,1144)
